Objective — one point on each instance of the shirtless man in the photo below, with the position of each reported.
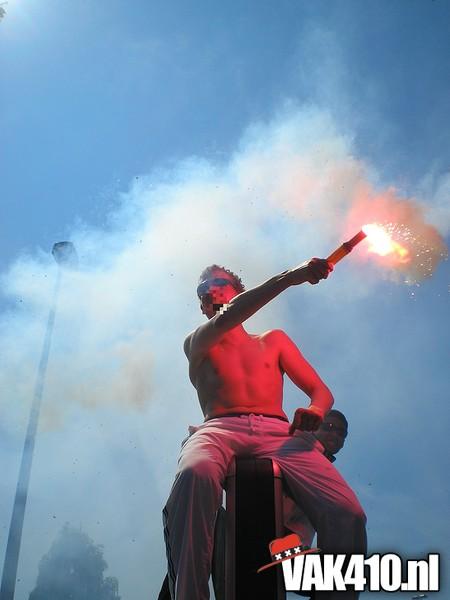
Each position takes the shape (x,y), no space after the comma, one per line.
(239,382)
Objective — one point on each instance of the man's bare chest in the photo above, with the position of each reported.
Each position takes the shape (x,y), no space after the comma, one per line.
(254,358)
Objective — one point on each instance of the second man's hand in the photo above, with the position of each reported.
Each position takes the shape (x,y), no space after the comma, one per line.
(306,419)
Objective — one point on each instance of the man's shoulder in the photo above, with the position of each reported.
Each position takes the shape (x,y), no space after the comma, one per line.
(192,337)
(187,343)
(274,336)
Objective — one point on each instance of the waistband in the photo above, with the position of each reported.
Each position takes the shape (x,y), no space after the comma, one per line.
(248,414)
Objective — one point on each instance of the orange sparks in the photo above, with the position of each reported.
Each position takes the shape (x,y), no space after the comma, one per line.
(382,244)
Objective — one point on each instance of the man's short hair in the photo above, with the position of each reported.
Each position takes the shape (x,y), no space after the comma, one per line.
(236,280)
(337,413)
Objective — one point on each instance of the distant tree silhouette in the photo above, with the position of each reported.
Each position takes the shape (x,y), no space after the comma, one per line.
(73,570)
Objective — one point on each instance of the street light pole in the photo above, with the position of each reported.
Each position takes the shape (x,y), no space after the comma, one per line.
(65,255)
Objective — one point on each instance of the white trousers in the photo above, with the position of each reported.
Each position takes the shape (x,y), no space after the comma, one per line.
(314,484)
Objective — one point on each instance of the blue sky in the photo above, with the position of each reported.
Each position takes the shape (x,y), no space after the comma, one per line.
(159,136)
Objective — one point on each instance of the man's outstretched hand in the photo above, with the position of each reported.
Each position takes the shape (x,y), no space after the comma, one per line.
(313,271)
(305,419)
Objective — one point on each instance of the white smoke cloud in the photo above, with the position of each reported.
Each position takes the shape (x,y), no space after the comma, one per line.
(290,191)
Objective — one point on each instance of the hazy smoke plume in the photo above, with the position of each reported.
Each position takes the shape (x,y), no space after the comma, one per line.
(293,190)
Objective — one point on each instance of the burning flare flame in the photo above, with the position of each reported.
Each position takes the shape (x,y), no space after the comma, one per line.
(382,244)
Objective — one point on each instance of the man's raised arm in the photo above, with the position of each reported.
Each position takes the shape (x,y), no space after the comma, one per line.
(246,304)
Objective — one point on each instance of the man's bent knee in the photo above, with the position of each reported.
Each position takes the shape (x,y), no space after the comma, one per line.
(349,513)
(358,513)
(352,509)
(200,471)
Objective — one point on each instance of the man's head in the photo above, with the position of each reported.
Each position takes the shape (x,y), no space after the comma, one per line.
(333,431)
(217,286)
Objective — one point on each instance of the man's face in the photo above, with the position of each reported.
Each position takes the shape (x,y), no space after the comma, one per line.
(332,433)
(215,295)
